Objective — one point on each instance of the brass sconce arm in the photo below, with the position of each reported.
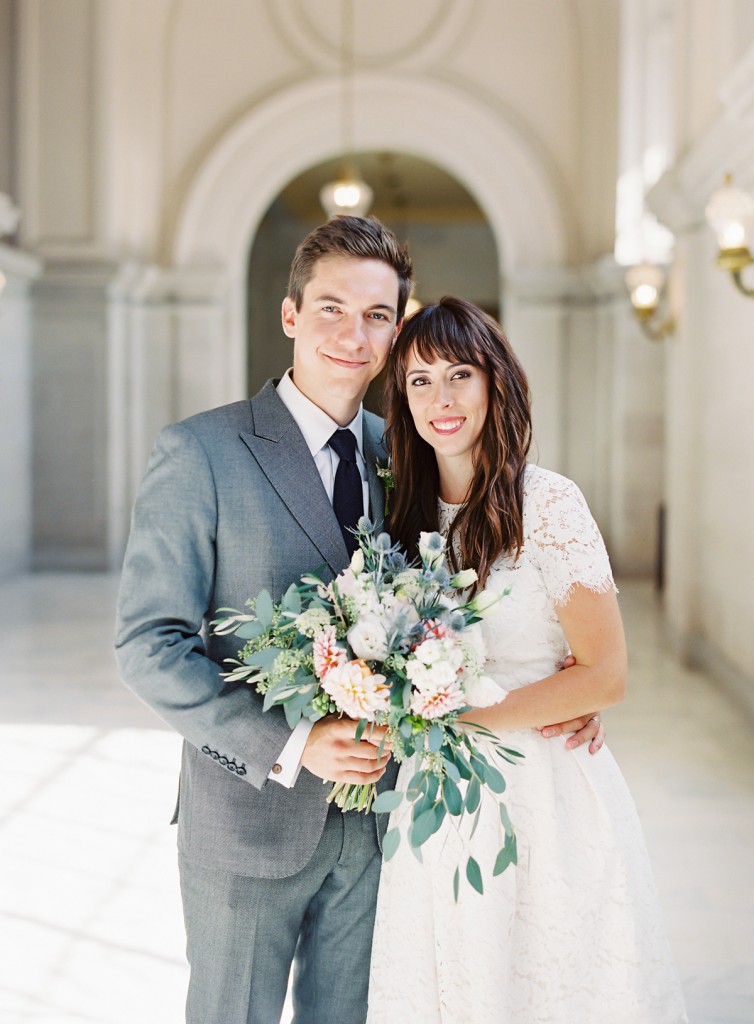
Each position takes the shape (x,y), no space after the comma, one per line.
(730,214)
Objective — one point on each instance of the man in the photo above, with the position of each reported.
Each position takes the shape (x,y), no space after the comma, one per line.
(236,500)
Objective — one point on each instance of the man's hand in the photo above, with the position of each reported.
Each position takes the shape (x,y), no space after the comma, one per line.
(587,729)
(331,752)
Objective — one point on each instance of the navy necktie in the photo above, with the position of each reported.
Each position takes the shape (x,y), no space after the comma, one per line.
(348,494)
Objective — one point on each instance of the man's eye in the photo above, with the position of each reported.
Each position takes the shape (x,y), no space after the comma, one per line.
(378,316)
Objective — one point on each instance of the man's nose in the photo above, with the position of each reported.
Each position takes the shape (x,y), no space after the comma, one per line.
(353,330)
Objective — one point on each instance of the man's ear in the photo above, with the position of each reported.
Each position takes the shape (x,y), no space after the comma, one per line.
(288,317)
(397,332)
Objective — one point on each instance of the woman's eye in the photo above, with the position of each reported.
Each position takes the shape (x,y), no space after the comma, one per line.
(461,375)
(418,381)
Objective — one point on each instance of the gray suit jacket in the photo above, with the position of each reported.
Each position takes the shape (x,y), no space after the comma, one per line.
(232,503)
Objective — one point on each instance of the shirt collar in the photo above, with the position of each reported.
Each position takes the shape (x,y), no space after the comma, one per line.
(316,426)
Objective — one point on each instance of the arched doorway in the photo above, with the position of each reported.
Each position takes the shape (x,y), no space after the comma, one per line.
(449,237)
(294,130)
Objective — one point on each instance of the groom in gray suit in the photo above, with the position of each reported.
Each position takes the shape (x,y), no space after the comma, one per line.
(236,500)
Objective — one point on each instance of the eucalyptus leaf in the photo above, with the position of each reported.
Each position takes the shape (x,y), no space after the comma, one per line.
(263,609)
(422,827)
(390,843)
(250,630)
(452,798)
(506,821)
(494,779)
(435,738)
(474,875)
(387,801)
(292,600)
(360,730)
(416,786)
(263,658)
(405,728)
(292,715)
(451,770)
(507,856)
(473,795)
(456,881)
(462,764)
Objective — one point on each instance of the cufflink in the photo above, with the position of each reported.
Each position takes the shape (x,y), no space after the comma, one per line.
(277,769)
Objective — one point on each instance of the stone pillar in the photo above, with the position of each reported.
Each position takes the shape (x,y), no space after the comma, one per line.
(168,345)
(597,392)
(17,272)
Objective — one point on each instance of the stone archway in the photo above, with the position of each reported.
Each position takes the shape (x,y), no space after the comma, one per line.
(296,128)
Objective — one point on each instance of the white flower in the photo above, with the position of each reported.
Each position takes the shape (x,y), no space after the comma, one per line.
(482,691)
(431,549)
(313,621)
(429,678)
(368,639)
(438,700)
(357,562)
(463,579)
(483,604)
(356,690)
(436,651)
(360,590)
(326,652)
(408,584)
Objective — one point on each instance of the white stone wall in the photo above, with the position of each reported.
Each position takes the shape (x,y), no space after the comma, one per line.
(709,460)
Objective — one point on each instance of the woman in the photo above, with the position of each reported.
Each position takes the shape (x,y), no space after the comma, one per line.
(571,934)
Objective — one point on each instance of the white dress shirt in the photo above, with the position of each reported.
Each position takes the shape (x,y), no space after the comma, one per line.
(317,428)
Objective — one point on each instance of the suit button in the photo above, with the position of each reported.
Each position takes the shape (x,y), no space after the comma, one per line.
(206,750)
(215,755)
(277,769)
(241,770)
(223,760)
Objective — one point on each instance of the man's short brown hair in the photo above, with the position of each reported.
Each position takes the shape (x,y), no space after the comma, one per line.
(355,238)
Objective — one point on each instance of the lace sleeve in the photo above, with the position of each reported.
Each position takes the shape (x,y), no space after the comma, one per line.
(567,544)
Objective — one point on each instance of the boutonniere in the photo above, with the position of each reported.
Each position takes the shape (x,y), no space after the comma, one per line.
(385,473)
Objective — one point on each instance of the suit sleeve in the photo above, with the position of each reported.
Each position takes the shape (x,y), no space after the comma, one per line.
(165,593)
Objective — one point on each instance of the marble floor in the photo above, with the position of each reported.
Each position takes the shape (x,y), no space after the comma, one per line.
(90,921)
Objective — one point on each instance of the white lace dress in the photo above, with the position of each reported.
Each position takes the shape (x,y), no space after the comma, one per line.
(572,935)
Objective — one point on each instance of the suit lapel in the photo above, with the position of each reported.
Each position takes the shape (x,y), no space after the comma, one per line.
(281,452)
(374,453)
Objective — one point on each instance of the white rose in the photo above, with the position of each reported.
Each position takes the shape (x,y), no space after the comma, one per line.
(368,639)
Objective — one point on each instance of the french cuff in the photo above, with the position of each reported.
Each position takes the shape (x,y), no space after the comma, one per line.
(288,765)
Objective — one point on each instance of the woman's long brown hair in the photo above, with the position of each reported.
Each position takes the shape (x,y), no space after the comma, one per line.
(490,522)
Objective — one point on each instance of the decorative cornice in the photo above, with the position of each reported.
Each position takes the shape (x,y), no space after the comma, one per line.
(588,284)
(682,193)
(18,263)
(148,284)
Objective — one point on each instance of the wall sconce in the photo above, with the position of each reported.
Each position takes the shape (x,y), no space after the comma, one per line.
(645,283)
(730,213)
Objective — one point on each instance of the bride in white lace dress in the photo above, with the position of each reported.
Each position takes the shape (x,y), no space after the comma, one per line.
(572,933)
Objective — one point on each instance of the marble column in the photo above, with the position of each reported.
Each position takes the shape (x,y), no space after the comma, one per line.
(17,272)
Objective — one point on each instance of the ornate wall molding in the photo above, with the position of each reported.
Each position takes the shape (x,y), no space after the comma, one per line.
(427,31)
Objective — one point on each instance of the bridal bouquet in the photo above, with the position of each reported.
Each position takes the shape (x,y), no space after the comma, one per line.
(387,643)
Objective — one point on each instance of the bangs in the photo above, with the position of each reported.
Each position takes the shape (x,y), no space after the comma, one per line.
(436,332)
